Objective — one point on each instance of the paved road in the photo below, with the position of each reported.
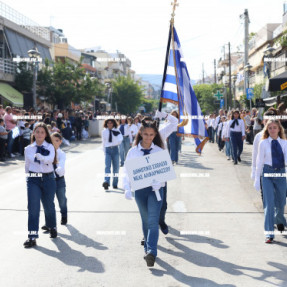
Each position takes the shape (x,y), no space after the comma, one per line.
(216,229)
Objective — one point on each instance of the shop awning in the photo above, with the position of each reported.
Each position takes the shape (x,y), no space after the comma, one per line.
(278,83)
(11,95)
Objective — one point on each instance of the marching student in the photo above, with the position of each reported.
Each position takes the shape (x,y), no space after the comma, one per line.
(224,136)
(256,142)
(111,138)
(59,169)
(40,156)
(236,135)
(147,141)
(127,138)
(174,141)
(271,161)
(165,131)
(133,129)
(220,133)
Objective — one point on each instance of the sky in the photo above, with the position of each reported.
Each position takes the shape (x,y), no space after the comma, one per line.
(139,28)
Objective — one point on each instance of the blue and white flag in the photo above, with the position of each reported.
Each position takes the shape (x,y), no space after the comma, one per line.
(177,89)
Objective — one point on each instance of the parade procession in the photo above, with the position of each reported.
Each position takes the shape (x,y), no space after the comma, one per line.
(143,143)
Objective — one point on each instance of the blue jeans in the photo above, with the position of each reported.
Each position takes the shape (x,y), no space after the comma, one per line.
(124,148)
(274,199)
(41,189)
(149,209)
(174,144)
(10,142)
(227,148)
(212,134)
(237,144)
(112,158)
(61,195)
(164,206)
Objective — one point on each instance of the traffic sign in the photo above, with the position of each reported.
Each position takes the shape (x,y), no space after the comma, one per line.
(221,103)
(250,93)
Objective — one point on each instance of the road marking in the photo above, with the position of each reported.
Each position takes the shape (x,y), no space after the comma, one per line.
(179,206)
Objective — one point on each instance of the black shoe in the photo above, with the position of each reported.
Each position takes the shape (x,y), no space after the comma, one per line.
(164,228)
(280,227)
(105,185)
(46,228)
(150,259)
(64,220)
(268,240)
(142,241)
(53,233)
(115,186)
(235,162)
(30,243)
(239,159)
(2,159)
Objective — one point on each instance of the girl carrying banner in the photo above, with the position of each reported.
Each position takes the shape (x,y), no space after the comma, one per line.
(147,141)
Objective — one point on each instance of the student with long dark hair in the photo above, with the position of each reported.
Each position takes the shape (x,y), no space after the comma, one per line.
(59,170)
(40,156)
(236,135)
(270,162)
(147,141)
(111,138)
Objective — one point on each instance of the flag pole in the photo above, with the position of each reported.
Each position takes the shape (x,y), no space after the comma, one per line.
(174,5)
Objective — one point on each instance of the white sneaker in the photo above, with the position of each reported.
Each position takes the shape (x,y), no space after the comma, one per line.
(228,158)
(13,155)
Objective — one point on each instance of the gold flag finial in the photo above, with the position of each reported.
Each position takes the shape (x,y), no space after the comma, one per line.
(174,5)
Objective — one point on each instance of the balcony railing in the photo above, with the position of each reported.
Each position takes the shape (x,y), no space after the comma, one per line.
(7,66)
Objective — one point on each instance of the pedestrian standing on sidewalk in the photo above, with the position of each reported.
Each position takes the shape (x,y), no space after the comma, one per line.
(271,161)
(3,140)
(224,136)
(59,170)
(147,141)
(221,142)
(40,156)
(236,135)
(111,138)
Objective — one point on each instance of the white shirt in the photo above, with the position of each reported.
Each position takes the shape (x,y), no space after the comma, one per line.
(127,132)
(247,120)
(219,128)
(216,121)
(255,147)
(134,130)
(168,128)
(44,166)
(224,129)
(135,152)
(61,158)
(265,156)
(116,140)
(237,128)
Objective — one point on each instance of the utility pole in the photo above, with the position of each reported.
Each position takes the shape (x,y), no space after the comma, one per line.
(246,40)
(230,94)
(214,71)
(202,73)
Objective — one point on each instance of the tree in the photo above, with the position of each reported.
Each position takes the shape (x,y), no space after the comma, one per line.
(127,93)
(23,78)
(205,96)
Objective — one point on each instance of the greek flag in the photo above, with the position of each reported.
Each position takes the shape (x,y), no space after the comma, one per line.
(178,90)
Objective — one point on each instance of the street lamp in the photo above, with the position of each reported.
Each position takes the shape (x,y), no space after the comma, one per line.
(34,56)
(234,78)
(247,69)
(268,52)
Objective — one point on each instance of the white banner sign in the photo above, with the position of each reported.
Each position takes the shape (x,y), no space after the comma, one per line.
(143,170)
